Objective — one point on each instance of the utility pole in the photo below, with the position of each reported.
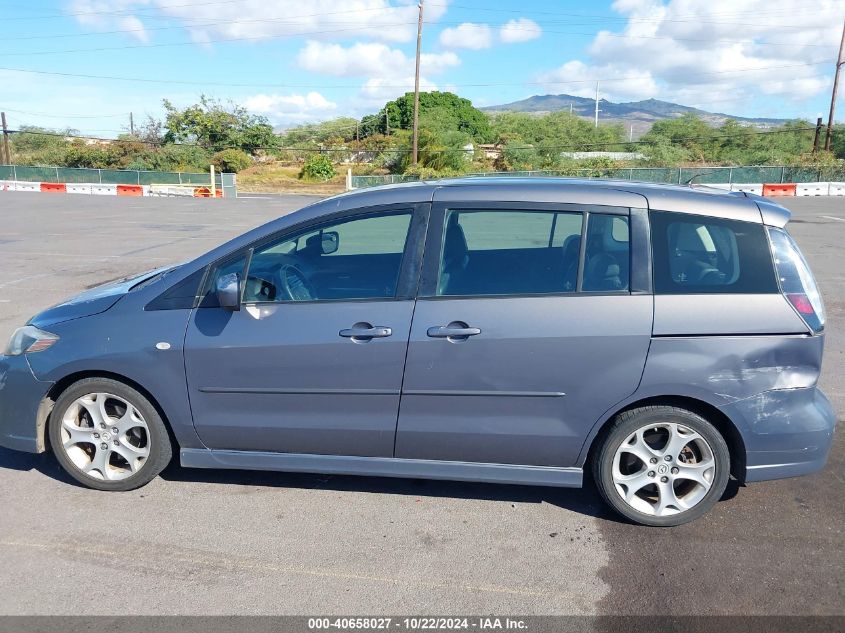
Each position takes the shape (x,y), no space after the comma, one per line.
(818,134)
(6,139)
(386,122)
(570,108)
(131,125)
(417,87)
(597,104)
(631,135)
(839,62)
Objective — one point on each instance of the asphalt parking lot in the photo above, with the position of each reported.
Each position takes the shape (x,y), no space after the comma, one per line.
(205,542)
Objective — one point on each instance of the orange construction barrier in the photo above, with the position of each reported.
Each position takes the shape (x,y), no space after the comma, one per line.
(130,190)
(205,192)
(53,187)
(771,190)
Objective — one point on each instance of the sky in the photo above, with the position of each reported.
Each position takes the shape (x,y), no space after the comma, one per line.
(86,64)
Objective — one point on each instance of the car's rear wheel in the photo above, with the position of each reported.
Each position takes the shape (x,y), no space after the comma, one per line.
(662,466)
(108,436)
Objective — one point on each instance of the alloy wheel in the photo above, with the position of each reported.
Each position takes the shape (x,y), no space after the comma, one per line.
(105,436)
(663,469)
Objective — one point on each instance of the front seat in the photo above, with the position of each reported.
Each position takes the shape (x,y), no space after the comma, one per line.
(455,257)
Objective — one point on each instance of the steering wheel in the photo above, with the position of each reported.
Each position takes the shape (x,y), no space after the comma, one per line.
(295,284)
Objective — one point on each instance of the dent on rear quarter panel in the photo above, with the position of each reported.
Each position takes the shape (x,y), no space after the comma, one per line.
(725,370)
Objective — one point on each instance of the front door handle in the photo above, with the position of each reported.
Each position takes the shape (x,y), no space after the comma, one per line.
(455,331)
(362,332)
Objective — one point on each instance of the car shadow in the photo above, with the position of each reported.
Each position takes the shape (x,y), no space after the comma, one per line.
(581,500)
(584,500)
(43,463)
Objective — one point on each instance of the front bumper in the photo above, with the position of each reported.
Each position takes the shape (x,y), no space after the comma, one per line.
(787,432)
(21,394)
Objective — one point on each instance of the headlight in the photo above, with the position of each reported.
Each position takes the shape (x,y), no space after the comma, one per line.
(28,340)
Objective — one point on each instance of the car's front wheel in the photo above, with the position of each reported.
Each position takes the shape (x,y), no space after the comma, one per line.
(662,466)
(108,436)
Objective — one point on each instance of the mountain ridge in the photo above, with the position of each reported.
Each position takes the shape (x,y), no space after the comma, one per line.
(640,115)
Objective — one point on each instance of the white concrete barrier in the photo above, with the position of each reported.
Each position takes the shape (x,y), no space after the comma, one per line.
(172,190)
(748,188)
(104,190)
(79,188)
(812,189)
(836,189)
(28,186)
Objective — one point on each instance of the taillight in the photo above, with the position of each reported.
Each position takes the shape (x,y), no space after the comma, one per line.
(801,303)
(796,280)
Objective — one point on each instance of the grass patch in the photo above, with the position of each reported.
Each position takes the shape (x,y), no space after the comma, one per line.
(278,178)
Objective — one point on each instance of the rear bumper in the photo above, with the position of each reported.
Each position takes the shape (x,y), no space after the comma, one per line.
(20,396)
(787,432)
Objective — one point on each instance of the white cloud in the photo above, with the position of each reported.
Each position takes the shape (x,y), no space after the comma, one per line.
(368,59)
(467,35)
(292,108)
(100,15)
(389,72)
(379,90)
(521,30)
(688,51)
(579,79)
(383,20)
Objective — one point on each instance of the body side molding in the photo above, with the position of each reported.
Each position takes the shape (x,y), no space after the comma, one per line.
(383,467)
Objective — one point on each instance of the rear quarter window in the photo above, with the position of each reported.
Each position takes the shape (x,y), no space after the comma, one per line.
(703,255)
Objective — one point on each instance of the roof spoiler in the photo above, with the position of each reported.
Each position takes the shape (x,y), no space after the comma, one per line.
(771,213)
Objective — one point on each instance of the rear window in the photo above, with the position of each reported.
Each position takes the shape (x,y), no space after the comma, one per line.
(704,255)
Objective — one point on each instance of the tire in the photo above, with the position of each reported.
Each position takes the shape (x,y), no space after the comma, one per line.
(82,433)
(656,487)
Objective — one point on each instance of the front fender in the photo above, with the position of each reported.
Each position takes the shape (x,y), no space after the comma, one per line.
(123,344)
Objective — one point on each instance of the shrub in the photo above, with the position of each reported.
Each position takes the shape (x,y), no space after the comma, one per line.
(231,160)
(318,167)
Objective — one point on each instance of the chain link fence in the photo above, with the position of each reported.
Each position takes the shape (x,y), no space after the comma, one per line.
(667,175)
(104,176)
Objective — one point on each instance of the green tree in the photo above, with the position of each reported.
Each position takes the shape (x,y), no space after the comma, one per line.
(318,167)
(687,133)
(453,111)
(837,141)
(341,129)
(39,146)
(231,160)
(216,126)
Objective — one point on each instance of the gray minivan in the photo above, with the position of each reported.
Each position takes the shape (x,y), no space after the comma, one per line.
(501,330)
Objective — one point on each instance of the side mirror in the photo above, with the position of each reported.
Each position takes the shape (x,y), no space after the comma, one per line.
(229,291)
(330,242)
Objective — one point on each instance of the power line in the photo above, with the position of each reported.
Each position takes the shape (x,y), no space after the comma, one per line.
(194,43)
(144,10)
(549,82)
(121,11)
(291,20)
(69,116)
(692,17)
